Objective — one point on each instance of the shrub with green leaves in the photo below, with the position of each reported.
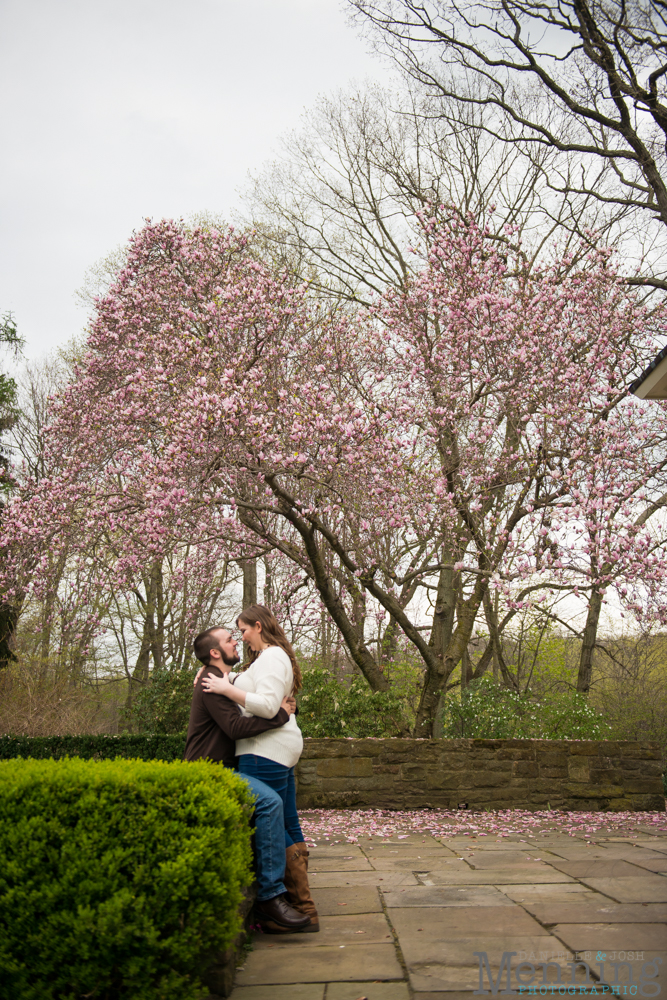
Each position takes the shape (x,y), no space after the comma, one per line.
(163,706)
(118,879)
(488,710)
(329,707)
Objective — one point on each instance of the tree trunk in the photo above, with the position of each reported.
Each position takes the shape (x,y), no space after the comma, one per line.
(268,583)
(353,635)
(389,642)
(430,706)
(466,672)
(483,663)
(249,567)
(590,638)
(449,644)
(157,643)
(445,607)
(429,713)
(349,630)
(9,616)
(140,674)
(496,646)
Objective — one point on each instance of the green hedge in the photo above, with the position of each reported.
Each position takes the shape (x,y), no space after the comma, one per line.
(93,747)
(118,879)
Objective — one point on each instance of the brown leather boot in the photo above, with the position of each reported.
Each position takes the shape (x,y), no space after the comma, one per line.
(296,883)
(277,916)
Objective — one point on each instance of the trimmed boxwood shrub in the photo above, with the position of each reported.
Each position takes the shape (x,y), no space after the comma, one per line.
(118,879)
(93,747)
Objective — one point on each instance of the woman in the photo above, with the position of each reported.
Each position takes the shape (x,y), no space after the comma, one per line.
(273,674)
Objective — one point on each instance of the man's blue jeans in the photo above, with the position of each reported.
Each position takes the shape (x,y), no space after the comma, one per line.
(282,779)
(269,839)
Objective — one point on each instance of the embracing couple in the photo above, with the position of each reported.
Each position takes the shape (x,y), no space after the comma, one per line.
(246,722)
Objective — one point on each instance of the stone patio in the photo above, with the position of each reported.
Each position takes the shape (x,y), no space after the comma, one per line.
(401,919)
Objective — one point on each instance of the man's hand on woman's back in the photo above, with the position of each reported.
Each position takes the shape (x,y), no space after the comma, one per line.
(289,704)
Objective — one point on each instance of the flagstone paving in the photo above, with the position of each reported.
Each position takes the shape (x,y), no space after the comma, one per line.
(624,937)
(601,869)
(652,864)
(402,918)
(639,889)
(340,864)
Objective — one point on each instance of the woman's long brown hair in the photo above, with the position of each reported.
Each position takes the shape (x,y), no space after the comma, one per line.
(272,633)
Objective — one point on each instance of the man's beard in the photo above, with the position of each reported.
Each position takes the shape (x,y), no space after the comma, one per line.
(230,661)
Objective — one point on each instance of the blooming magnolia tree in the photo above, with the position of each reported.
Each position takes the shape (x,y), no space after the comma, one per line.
(512,388)
(469,435)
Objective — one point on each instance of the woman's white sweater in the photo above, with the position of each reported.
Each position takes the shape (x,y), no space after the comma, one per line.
(266,682)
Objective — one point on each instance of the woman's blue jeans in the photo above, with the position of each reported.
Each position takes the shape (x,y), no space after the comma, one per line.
(281,779)
(269,840)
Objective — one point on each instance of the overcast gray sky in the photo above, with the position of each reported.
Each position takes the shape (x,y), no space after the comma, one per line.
(115,110)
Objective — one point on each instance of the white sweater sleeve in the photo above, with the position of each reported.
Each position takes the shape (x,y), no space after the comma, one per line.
(271,683)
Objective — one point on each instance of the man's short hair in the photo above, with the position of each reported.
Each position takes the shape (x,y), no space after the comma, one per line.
(205,642)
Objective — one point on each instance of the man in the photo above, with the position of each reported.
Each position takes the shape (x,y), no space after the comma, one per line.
(215,725)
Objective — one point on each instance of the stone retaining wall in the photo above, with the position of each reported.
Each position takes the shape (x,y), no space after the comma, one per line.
(480,774)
